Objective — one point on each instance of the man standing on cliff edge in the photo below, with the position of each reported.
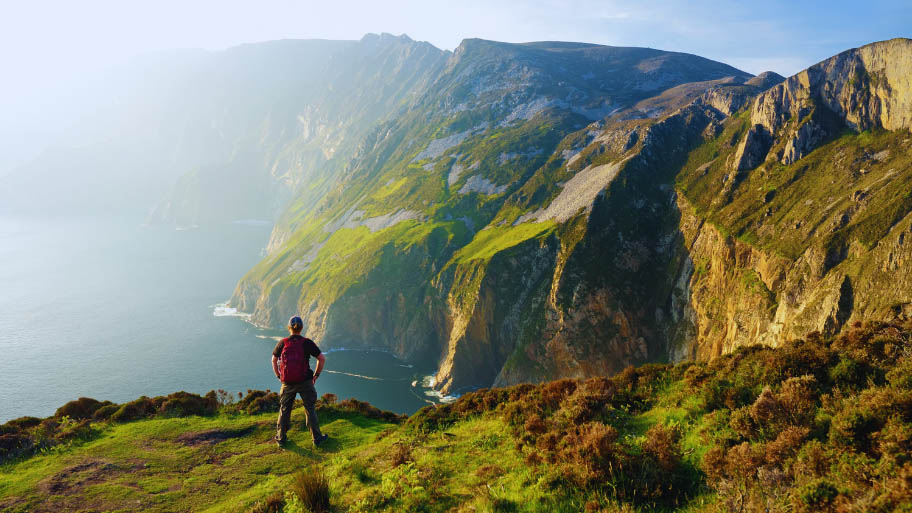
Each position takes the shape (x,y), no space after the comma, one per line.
(291,364)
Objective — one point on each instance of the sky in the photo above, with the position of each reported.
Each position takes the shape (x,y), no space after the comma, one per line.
(47,45)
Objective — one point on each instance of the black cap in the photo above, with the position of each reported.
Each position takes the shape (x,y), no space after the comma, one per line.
(295,323)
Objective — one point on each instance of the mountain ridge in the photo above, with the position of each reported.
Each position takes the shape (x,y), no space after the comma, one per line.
(632,317)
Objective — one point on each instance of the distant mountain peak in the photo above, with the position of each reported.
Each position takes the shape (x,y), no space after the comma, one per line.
(766,80)
(384,37)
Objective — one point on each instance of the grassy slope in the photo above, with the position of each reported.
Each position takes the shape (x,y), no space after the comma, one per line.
(144,465)
(813,426)
(854,187)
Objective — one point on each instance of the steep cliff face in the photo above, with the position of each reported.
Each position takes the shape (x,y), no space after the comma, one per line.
(421,245)
(802,225)
(507,228)
(864,88)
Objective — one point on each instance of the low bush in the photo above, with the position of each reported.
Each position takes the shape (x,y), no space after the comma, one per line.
(20,424)
(258,401)
(82,408)
(105,412)
(138,409)
(275,503)
(401,454)
(182,404)
(370,411)
(15,444)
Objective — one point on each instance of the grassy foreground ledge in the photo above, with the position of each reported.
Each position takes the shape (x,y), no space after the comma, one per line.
(815,425)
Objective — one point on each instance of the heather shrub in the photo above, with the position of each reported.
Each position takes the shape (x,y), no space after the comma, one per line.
(851,373)
(722,393)
(799,358)
(743,423)
(520,392)
(258,401)
(82,408)
(274,503)
(662,475)
(591,447)
(893,444)
(73,429)
(587,402)
(182,404)
(645,378)
(818,496)
(15,444)
(401,454)
(552,393)
(431,418)
(798,399)
(786,444)
(867,413)
(327,400)
(20,424)
(662,447)
(105,412)
(370,411)
(900,376)
(535,426)
(133,410)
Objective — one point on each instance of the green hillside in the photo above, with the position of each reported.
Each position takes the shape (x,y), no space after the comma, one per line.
(815,425)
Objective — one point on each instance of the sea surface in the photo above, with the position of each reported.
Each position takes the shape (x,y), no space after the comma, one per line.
(114,309)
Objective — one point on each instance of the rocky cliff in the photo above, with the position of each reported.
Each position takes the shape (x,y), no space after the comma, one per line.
(803,224)
(558,209)
(446,234)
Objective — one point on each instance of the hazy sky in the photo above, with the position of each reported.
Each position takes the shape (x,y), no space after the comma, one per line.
(40,39)
(47,45)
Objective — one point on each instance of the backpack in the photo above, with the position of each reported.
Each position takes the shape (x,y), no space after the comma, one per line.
(295,366)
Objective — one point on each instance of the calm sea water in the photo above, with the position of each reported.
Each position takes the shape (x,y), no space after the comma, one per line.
(113,309)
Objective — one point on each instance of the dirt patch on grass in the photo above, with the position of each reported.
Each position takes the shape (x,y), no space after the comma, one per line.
(212,436)
(81,475)
(9,502)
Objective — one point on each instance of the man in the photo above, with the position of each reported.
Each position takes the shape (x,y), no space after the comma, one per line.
(294,372)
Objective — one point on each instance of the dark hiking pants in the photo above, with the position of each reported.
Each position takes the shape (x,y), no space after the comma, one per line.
(286,402)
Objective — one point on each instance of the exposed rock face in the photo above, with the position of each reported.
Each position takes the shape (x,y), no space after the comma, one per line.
(729,98)
(807,137)
(867,87)
(845,235)
(742,295)
(753,148)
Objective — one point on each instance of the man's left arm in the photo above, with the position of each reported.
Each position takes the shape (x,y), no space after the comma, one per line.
(321,360)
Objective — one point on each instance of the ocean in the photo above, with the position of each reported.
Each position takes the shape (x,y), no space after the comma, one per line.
(114,309)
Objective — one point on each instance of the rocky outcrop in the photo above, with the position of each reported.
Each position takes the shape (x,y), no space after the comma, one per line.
(864,88)
(753,148)
(732,294)
(730,98)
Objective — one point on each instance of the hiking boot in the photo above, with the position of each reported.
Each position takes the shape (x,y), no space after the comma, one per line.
(280,441)
(321,439)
